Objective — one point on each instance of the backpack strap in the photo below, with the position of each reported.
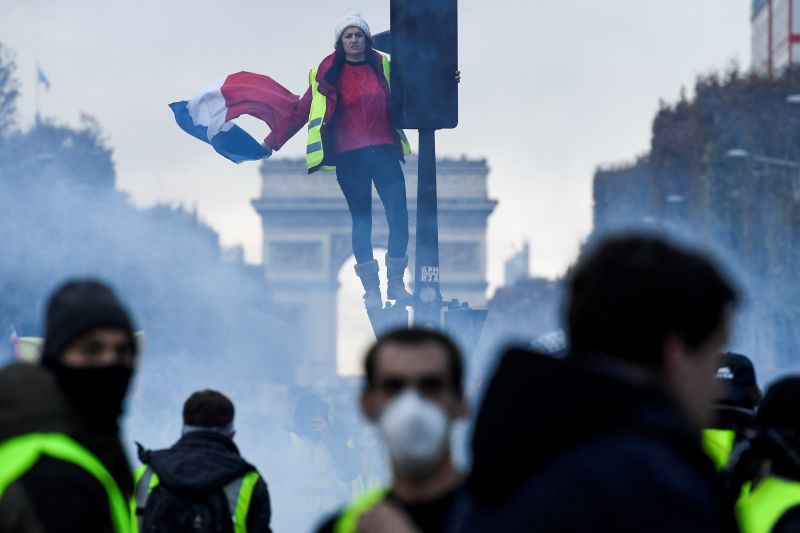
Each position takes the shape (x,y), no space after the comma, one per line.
(239,493)
(145,479)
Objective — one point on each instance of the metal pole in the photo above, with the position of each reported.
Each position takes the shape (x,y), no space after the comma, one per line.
(427,296)
(37,95)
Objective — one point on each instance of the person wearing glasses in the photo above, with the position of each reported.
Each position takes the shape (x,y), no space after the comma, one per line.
(413,392)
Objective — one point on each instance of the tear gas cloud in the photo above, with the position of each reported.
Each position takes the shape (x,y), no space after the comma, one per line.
(210,322)
(208,319)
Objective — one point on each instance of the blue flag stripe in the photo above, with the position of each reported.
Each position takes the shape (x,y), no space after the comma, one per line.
(235,144)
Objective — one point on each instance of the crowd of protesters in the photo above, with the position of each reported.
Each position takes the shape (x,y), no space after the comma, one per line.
(643,423)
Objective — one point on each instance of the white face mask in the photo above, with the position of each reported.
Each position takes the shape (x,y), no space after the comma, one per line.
(416,432)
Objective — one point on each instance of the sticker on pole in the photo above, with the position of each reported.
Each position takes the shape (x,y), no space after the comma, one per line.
(429,274)
(427,295)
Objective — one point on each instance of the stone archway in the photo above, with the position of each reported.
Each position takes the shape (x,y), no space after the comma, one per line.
(306,239)
(353,329)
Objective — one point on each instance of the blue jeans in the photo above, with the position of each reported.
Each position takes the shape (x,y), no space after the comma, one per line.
(356,170)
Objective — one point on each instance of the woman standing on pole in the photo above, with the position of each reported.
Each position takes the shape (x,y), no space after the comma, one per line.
(347,110)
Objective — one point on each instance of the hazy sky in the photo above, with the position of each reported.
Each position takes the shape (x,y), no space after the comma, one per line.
(550,90)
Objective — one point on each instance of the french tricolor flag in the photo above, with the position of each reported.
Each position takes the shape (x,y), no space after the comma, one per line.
(209,114)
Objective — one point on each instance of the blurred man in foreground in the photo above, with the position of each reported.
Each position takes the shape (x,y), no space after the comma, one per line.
(62,467)
(414,393)
(201,483)
(608,439)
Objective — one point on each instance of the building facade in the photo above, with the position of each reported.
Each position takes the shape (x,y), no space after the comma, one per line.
(775,35)
(307,238)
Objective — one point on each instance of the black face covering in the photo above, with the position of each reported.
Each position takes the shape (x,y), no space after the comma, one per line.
(97,393)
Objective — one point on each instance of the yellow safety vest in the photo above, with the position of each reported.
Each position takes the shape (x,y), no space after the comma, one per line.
(20,454)
(718,444)
(761,509)
(315,153)
(238,492)
(348,520)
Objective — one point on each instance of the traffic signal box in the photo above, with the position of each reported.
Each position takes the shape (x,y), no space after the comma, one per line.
(424,50)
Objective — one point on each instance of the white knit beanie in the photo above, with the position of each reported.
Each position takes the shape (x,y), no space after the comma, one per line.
(351,18)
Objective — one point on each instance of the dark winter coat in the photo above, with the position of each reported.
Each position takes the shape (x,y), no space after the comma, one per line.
(204,461)
(54,495)
(737,419)
(565,447)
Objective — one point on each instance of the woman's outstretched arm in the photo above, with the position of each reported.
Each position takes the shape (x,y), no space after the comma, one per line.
(291,124)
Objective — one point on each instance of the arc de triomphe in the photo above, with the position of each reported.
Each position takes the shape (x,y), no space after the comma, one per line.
(306,240)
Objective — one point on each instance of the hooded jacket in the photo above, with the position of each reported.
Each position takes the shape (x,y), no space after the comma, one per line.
(563,446)
(53,495)
(205,461)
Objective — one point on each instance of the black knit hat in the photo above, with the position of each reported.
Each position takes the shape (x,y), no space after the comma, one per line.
(77,307)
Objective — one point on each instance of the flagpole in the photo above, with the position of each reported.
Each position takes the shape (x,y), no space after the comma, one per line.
(37,93)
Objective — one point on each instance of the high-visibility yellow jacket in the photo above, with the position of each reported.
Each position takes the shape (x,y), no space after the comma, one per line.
(316,108)
(348,520)
(718,444)
(761,508)
(238,493)
(21,453)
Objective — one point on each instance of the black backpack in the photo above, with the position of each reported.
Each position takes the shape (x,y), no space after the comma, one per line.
(164,510)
